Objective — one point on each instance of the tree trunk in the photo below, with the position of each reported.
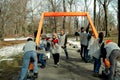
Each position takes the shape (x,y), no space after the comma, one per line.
(106,17)
(95,12)
(55,22)
(64,18)
(70,19)
(54,10)
(2,33)
(99,18)
(119,23)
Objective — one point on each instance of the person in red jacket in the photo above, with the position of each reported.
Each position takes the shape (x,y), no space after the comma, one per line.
(55,49)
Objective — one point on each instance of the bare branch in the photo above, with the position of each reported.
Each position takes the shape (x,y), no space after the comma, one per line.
(99,1)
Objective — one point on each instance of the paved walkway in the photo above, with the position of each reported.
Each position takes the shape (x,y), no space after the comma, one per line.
(71,69)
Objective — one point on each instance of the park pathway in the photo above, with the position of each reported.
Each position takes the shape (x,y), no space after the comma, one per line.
(71,69)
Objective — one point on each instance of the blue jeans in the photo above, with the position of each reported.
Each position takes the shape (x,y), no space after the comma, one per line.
(42,61)
(86,55)
(97,64)
(47,48)
(26,60)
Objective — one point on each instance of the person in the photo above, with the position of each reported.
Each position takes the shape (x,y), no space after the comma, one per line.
(41,53)
(76,35)
(63,42)
(48,44)
(35,34)
(95,52)
(112,53)
(55,49)
(29,52)
(84,43)
(90,43)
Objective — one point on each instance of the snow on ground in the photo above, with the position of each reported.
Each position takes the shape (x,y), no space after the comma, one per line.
(7,59)
(74,43)
(16,49)
(14,39)
(11,50)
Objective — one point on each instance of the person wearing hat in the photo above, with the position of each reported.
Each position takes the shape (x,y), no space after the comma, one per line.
(112,53)
(29,52)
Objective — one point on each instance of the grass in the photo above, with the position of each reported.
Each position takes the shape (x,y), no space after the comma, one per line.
(10,70)
(9,43)
(113,36)
(114,39)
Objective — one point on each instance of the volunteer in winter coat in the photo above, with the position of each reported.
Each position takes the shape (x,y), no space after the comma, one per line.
(29,52)
(112,52)
(95,52)
(84,43)
(63,42)
(55,48)
(90,43)
(42,52)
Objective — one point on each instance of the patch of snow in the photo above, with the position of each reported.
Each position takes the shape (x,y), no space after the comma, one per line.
(13,39)
(74,43)
(118,64)
(16,49)
(11,50)
(8,59)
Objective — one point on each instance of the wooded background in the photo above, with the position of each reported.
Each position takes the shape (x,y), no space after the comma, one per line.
(21,17)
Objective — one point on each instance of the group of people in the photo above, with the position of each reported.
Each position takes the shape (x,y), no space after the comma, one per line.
(91,48)
(52,44)
(98,49)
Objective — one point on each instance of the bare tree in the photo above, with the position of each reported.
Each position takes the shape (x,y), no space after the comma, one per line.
(54,9)
(105,6)
(64,18)
(95,12)
(3,16)
(70,18)
(114,5)
(100,18)
(119,23)
(86,9)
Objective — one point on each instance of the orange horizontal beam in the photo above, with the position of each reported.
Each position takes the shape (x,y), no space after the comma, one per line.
(57,14)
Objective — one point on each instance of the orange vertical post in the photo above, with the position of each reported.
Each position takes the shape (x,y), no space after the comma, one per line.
(92,26)
(39,29)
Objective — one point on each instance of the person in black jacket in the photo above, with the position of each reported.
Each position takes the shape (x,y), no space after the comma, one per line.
(84,35)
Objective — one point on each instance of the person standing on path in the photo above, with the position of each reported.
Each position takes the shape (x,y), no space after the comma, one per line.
(63,42)
(95,52)
(55,49)
(84,43)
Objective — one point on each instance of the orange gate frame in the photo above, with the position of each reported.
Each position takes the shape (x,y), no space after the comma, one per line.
(58,14)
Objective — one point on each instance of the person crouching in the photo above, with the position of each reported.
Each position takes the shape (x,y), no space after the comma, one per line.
(112,53)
